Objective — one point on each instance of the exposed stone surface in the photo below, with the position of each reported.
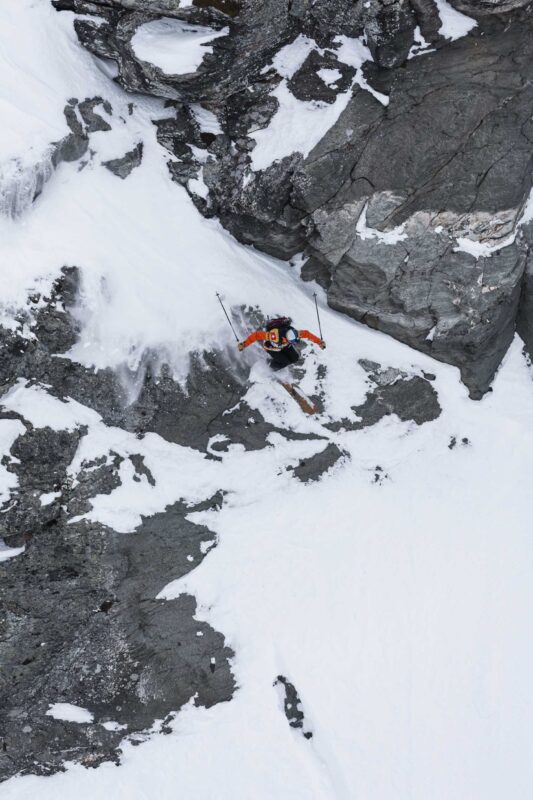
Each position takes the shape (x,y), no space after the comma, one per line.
(390,31)
(80,623)
(311,469)
(93,120)
(484,7)
(449,157)
(411,398)
(525,312)
(122,167)
(292,706)
(308,82)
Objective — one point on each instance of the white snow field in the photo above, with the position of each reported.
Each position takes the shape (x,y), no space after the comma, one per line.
(399,608)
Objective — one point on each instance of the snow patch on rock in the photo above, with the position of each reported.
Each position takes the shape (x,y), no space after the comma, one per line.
(290,58)
(454,24)
(298,125)
(176,47)
(393,236)
(68,712)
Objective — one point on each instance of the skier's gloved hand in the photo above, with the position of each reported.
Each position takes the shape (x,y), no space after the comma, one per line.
(322,345)
(240,345)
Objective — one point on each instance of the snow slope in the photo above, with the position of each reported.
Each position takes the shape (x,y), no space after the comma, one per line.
(398,607)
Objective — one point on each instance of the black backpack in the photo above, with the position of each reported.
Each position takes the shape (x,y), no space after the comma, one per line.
(283,323)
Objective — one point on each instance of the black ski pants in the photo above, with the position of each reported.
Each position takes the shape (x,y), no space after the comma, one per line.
(282,358)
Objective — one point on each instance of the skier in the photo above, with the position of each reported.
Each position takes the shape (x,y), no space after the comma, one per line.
(279,339)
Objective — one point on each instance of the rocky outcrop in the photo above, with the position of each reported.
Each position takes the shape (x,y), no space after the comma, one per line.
(450,162)
(525,310)
(409,397)
(389,31)
(408,209)
(123,166)
(312,469)
(22,179)
(486,7)
(292,707)
(81,621)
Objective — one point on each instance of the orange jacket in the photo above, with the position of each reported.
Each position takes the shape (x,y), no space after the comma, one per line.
(273,340)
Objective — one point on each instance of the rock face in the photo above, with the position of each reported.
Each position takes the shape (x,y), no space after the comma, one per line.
(313,468)
(408,208)
(484,7)
(449,160)
(81,621)
(21,182)
(292,706)
(123,166)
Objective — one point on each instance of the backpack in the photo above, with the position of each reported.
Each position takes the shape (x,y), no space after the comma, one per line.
(283,323)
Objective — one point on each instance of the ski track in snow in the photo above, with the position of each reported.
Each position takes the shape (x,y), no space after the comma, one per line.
(399,610)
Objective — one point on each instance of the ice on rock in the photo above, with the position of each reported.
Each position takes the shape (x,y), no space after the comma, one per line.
(22,181)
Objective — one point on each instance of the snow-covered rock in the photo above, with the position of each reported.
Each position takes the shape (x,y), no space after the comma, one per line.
(220,594)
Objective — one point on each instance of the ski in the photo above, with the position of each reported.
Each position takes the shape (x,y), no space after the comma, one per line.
(305,404)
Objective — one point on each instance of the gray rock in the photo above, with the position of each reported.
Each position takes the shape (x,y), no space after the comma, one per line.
(389,29)
(81,625)
(79,620)
(443,302)
(483,7)
(424,165)
(315,270)
(410,399)
(307,84)
(260,213)
(122,167)
(53,325)
(256,34)
(94,121)
(177,134)
(524,323)
(312,469)
(451,152)
(292,706)
(428,19)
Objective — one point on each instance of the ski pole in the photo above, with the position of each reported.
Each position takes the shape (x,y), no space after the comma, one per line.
(318,317)
(226,313)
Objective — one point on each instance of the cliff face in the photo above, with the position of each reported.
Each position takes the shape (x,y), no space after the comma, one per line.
(408,195)
(184,549)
